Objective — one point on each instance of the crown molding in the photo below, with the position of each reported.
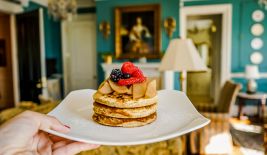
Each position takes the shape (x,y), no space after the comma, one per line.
(85,4)
(10,8)
(80,3)
(41,2)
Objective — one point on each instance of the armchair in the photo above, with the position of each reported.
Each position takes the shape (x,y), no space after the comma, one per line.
(215,138)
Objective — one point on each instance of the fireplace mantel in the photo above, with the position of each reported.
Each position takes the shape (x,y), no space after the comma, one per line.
(149,69)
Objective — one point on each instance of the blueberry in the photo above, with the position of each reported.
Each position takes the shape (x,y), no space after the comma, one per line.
(114,79)
(126,76)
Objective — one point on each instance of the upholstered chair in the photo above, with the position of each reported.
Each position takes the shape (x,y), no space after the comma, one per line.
(215,138)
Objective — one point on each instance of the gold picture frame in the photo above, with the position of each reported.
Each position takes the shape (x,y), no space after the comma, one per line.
(137,32)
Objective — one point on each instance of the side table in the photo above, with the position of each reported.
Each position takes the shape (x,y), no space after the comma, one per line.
(260,97)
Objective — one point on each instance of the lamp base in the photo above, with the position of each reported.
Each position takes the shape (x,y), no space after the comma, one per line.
(183,78)
(251,86)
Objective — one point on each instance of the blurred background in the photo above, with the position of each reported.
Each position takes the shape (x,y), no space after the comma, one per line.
(49,48)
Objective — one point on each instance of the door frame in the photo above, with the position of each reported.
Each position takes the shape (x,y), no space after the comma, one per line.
(42,53)
(226,11)
(15,59)
(65,53)
(12,10)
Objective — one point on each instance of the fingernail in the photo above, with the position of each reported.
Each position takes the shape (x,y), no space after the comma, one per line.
(67,126)
(95,145)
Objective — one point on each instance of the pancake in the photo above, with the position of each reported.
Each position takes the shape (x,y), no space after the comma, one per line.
(123,100)
(126,112)
(124,122)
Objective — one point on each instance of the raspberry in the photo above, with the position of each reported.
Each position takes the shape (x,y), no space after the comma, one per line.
(130,81)
(128,68)
(138,73)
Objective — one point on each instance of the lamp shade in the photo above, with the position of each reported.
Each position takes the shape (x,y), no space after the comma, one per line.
(182,55)
(252,72)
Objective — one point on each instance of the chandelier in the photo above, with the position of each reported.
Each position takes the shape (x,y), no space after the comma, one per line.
(263,3)
(62,9)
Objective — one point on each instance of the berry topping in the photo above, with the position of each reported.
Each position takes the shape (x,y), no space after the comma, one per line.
(138,73)
(116,75)
(131,80)
(126,76)
(128,68)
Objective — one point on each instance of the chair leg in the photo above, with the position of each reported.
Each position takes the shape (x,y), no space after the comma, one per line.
(182,142)
(192,144)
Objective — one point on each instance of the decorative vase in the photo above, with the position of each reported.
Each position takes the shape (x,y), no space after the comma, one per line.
(143,60)
(251,86)
(108,59)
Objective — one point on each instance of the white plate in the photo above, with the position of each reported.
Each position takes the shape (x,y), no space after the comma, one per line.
(176,116)
(256,43)
(257,29)
(258,15)
(256,58)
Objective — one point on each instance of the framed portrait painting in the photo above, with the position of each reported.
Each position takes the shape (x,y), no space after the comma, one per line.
(137,31)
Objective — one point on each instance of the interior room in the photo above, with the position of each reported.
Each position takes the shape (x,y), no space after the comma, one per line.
(212,51)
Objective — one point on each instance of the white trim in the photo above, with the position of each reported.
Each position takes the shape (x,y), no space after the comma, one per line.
(226,11)
(14,57)
(64,55)
(41,2)
(9,7)
(42,53)
(242,75)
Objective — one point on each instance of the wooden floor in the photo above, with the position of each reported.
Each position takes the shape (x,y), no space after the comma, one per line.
(237,151)
(248,142)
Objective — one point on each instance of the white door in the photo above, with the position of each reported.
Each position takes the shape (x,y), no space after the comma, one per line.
(79,53)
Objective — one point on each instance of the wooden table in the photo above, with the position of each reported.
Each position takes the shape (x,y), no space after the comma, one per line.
(260,97)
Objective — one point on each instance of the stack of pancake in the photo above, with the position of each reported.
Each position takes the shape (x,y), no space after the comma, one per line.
(125,106)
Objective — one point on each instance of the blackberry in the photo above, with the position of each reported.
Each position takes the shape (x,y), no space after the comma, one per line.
(116,75)
(126,76)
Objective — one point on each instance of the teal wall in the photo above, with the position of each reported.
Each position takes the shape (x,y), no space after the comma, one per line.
(241,36)
(52,34)
(105,11)
(246,9)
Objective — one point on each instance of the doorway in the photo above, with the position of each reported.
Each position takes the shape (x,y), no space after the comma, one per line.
(30,55)
(79,53)
(6,76)
(205,31)
(218,18)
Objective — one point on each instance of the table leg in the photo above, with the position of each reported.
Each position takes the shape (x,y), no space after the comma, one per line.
(240,108)
(263,103)
(259,109)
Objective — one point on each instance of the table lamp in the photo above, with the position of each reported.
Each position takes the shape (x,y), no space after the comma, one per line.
(182,56)
(252,73)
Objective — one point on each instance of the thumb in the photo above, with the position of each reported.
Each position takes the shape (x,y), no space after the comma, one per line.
(48,122)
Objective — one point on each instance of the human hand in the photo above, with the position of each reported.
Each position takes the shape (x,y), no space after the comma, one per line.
(23,135)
